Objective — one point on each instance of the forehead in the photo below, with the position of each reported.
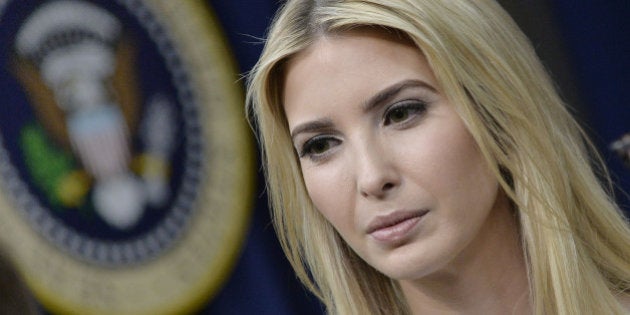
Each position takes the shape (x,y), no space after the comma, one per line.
(371,41)
(352,65)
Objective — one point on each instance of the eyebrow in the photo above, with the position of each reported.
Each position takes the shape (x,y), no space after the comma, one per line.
(392,90)
(379,98)
(312,126)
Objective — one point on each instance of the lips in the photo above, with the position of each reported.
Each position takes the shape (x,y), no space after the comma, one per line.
(395,226)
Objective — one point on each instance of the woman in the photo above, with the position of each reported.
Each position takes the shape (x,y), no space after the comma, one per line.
(419,161)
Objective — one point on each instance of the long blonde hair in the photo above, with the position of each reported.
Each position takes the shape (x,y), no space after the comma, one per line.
(575,239)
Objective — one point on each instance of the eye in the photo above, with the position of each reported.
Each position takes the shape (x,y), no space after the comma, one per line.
(317,147)
(403,111)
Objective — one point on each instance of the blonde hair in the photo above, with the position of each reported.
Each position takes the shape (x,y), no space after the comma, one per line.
(575,239)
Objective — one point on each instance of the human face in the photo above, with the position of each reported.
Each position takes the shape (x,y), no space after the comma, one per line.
(385,157)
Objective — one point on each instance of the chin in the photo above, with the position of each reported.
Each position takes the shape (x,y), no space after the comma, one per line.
(407,265)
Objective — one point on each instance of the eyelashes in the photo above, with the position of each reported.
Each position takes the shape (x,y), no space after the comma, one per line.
(317,147)
(404,111)
(399,115)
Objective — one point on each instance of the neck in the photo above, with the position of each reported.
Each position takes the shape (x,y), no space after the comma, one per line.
(488,277)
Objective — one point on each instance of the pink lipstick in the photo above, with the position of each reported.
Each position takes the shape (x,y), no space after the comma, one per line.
(394,227)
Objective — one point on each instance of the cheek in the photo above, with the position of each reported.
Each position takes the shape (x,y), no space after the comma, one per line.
(449,166)
(475,183)
(330,191)
(466,188)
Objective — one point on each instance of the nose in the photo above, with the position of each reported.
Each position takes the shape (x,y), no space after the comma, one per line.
(377,176)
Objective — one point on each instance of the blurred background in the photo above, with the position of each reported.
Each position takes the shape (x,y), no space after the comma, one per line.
(584,43)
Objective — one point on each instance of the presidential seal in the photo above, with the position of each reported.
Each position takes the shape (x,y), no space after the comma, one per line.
(126,170)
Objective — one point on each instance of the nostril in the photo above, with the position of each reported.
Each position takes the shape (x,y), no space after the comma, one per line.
(388,186)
